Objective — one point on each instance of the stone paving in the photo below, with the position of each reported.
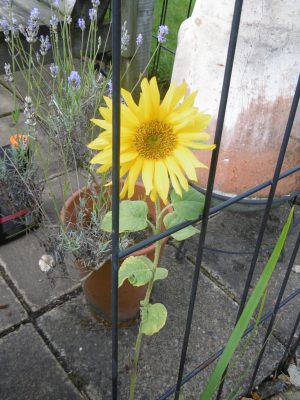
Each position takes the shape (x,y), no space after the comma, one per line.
(51,347)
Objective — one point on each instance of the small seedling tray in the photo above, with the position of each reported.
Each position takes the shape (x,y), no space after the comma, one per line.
(13,223)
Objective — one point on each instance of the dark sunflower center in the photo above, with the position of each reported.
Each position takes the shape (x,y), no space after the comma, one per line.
(155,140)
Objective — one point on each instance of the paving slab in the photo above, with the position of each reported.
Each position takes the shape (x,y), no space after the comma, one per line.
(86,344)
(11,311)
(20,260)
(6,103)
(229,245)
(28,371)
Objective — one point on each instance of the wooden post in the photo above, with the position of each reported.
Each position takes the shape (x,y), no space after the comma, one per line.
(139,17)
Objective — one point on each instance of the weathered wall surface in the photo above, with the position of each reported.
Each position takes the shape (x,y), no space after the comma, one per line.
(264,77)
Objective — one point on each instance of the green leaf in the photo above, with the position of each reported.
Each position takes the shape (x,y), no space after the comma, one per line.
(153,318)
(172,219)
(138,270)
(190,205)
(133,217)
(160,273)
(246,315)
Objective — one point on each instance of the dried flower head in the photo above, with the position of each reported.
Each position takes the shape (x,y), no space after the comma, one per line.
(35,13)
(93,14)
(95,3)
(54,22)
(29,112)
(163,30)
(45,44)
(46,262)
(8,74)
(74,80)
(139,39)
(53,70)
(124,37)
(81,23)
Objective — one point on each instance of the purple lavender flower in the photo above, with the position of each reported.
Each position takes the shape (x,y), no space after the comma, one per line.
(92,14)
(110,88)
(31,30)
(14,28)
(5,27)
(53,70)
(4,24)
(54,22)
(8,74)
(74,80)
(45,44)
(81,23)
(55,3)
(69,19)
(95,3)
(34,15)
(139,39)
(163,30)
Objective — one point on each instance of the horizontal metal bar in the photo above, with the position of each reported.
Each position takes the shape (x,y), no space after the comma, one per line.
(213,210)
(217,354)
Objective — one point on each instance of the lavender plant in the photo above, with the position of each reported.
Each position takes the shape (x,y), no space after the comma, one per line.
(74,87)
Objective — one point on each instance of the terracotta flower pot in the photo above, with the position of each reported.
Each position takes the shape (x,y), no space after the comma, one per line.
(98,286)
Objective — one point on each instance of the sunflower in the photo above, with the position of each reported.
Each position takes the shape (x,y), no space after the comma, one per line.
(156,139)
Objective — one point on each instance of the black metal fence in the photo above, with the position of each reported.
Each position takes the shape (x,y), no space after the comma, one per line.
(208,211)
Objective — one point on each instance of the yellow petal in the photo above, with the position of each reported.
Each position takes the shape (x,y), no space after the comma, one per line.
(183,159)
(124,189)
(97,144)
(103,168)
(173,166)
(173,95)
(129,156)
(201,136)
(129,101)
(106,113)
(102,123)
(147,175)
(102,157)
(125,168)
(200,146)
(108,101)
(161,180)
(133,175)
(175,182)
(154,94)
(187,102)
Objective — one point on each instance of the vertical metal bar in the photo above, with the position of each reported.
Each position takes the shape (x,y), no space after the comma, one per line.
(189,8)
(289,343)
(116,61)
(275,311)
(212,173)
(272,191)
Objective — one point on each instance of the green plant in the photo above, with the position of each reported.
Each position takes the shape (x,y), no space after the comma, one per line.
(249,309)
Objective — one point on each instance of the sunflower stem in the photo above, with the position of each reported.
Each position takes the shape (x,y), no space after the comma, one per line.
(138,343)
